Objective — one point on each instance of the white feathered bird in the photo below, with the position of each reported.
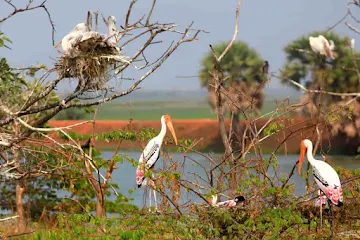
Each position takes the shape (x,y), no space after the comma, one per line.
(322,46)
(151,153)
(325,176)
(68,42)
(71,39)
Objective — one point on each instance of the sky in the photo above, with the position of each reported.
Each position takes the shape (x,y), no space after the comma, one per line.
(267,26)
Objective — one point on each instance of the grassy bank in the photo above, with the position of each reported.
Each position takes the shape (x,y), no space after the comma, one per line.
(152,110)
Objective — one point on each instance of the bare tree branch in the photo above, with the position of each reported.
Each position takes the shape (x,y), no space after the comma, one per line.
(29,8)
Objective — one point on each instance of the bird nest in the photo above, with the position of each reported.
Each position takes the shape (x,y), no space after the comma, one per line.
(92,68)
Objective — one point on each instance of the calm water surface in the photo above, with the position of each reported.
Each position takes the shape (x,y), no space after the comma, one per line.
(124,175)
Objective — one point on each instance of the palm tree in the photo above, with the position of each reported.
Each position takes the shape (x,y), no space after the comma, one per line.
(242,68)
(317,72)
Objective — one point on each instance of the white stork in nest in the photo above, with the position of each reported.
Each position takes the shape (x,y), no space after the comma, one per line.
(83,39)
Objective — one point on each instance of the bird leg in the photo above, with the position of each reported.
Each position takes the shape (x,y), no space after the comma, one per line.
(320,215)
(321,205)
(153,185)
(332,217)
(150,199)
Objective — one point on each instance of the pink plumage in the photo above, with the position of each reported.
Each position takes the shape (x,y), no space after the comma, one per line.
(334,194)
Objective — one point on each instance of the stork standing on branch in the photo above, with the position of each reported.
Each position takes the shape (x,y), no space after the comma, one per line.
(151,154)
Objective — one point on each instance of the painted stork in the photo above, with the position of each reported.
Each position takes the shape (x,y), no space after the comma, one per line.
(325,176)
(237,201)
(322,46)
(151,154)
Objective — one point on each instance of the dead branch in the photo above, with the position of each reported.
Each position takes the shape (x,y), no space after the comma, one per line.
(30,8)
(318,91)
(8,218)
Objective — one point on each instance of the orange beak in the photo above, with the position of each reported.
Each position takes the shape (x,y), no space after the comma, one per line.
(302,155)
(171,128)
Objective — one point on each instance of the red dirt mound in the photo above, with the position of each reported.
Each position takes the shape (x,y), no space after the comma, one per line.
(207,131)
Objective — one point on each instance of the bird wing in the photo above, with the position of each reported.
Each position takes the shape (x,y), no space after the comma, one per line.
(151,153)
(327,48)
(67,43)
(148,157)
(315,44)
(328,181)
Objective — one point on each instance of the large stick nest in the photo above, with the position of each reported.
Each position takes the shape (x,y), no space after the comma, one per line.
(91,66)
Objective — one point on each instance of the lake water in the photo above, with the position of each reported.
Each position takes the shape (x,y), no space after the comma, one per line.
(124,175)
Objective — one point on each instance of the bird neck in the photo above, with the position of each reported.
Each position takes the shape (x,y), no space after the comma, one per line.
(163,129)
(309,155)
(112,29)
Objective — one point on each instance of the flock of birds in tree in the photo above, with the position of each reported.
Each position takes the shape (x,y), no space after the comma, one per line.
(325,176)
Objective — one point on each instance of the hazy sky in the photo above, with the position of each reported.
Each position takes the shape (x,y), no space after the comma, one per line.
(266,26)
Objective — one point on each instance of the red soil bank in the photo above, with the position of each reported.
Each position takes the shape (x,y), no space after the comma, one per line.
(207,131)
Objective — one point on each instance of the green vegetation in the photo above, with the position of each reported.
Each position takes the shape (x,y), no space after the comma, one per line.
(241,67)
(272,213)
(141,110)
(60,188)
(335,75)
(339,75)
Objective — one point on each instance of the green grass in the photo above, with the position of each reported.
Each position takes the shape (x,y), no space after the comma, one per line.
(142,110)
(152,110)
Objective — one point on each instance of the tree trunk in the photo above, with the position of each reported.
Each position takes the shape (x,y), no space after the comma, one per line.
(100,211)
(20,189)
(235,137)
(235,140)
(228,156)
(99,206)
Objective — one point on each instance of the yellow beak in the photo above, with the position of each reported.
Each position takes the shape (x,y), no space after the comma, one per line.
(302,155)
(171,128)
